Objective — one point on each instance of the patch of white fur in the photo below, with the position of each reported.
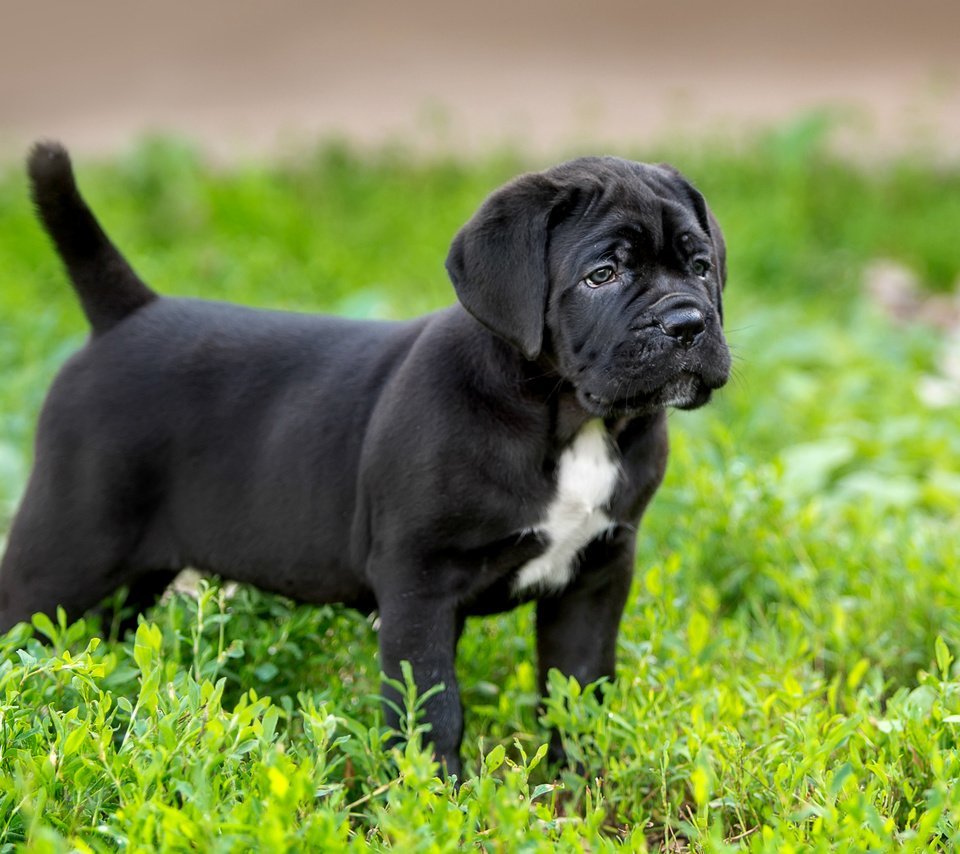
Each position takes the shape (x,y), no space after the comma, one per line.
(681,394)
(587,475)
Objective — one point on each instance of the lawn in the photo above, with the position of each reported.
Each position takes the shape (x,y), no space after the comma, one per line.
(786,665)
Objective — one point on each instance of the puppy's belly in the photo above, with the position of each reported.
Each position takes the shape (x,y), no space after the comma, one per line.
(587,475)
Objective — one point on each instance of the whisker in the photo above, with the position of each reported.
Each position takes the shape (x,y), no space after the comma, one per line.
(735,329)
(555,389)
(538,376)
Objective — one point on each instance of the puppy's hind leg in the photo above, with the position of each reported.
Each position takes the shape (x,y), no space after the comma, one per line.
(66,548)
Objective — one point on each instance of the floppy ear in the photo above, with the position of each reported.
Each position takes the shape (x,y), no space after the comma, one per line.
(719,256)
(708,222)
(719,247)
(498,261)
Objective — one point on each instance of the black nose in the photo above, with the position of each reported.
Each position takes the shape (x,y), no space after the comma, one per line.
(684,323)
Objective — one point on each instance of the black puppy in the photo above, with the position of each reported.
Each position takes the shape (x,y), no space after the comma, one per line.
(462,463)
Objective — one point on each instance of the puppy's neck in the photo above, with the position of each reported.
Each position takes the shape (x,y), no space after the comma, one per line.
(570,416)
(541,383)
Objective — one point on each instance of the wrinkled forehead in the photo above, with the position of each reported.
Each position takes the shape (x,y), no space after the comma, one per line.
(614,200)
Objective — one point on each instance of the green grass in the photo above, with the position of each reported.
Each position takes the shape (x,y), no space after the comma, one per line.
(786,677)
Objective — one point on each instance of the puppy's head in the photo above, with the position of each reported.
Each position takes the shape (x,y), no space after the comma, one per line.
(610,270)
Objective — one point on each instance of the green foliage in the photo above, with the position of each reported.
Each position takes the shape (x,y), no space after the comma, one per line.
(787,677)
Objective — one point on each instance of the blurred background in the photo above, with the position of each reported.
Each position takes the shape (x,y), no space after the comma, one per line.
(315,156)
(244,76)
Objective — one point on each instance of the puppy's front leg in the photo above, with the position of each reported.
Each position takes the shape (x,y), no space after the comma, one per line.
(425,633)
(577,628)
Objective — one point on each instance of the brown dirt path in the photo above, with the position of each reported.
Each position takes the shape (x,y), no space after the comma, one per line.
(243,76)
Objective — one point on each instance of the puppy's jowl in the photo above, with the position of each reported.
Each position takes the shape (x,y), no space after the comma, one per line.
(498,451)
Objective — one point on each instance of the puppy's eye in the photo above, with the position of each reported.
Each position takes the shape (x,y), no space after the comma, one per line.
(601,276)
(701,266)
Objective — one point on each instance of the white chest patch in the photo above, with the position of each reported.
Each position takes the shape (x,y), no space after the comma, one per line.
(587,474)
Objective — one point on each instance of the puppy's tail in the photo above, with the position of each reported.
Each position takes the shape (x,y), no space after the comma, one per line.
(108,288)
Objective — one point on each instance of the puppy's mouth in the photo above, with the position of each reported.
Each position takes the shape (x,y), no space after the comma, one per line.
(686,391)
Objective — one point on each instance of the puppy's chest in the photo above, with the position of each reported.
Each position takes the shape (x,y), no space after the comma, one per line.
(587,475)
